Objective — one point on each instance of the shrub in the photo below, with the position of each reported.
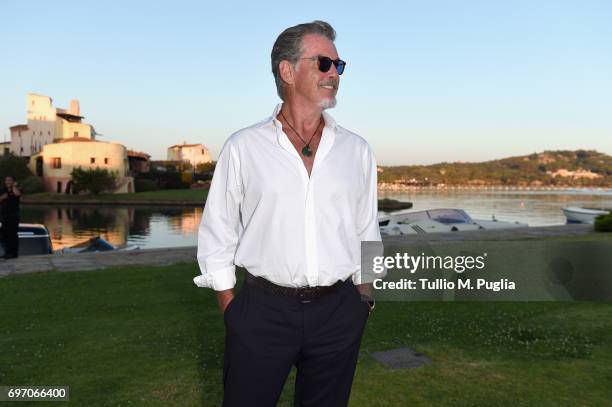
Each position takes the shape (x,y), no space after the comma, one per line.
(94,180)
(186,178)
(32,185)
(169,180)
(603,223)
(145,185)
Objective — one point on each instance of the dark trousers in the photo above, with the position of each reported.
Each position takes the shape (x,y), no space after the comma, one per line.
(10,240)
(266,334)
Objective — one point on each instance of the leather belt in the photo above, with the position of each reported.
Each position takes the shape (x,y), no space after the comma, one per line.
(304,294)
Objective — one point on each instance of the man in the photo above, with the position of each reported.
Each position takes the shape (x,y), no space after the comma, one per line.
(291,199)
(9,201)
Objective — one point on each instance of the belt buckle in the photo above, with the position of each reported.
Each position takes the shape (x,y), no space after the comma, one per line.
(303,294)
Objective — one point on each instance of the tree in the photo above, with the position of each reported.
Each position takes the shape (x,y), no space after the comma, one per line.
(11,164)
(94,180)
(206,167)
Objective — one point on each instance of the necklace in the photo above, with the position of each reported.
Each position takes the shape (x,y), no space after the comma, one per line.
(306,151)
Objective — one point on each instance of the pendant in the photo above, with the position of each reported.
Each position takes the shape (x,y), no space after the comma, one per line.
(306,151)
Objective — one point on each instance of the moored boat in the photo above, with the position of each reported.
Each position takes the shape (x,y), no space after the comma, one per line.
(438,221)
(33,239)
(582,215)
(95,244)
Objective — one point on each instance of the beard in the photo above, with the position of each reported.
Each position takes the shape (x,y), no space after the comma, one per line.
(327,103)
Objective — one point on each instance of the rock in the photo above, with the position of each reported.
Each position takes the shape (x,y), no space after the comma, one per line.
(401,358)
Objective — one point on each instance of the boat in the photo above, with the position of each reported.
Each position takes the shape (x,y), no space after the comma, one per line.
(437,221)
(583,215)
(95,244)
(33,239)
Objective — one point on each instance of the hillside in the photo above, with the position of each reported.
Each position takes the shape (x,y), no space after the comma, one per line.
(579,168)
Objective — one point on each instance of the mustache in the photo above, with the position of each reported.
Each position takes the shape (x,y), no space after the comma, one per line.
(330,82)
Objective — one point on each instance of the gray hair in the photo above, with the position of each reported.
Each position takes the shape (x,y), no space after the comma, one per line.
(288,46)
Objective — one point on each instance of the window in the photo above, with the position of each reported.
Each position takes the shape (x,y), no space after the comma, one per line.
(105,160)
(92,160)
(56,162)
(59,187)
(75,134)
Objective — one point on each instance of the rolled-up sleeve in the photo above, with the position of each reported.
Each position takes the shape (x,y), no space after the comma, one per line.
(367,209)
(219,229)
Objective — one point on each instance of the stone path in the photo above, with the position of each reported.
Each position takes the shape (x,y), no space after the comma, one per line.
(95,261)
(167,256)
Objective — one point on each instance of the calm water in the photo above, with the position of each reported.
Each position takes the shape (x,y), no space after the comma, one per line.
(171,227)
(536,208)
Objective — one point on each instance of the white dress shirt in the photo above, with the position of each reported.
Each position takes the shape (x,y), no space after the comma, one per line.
(264,212)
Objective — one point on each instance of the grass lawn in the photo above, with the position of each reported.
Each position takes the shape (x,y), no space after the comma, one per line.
(197,196)
(148,336)
(169,196)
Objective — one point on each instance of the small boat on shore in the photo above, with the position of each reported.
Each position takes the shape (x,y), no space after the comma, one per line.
(437,221)
(583,215)
(95,244)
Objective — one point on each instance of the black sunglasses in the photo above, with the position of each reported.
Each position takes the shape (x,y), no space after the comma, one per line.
(325,63)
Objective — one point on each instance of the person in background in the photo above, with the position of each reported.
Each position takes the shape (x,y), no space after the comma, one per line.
(9,204)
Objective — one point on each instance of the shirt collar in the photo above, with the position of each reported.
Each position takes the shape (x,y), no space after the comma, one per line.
(327,118)
(327,138)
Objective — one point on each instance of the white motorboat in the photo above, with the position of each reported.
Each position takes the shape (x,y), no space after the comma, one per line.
(582,215)
(437,221)
(33,239)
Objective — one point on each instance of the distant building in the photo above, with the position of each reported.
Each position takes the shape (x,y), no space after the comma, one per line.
(139,162)
(192,153)
(57,141)
(579,173)
(56,161)
(47,124)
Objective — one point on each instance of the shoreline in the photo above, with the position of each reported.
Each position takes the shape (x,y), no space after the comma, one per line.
(173,255)
(384,204)
(384,187)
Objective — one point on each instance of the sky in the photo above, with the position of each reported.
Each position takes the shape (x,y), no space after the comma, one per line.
(425,82)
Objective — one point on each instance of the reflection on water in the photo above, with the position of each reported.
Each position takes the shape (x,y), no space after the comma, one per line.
(150,227)
(142,226)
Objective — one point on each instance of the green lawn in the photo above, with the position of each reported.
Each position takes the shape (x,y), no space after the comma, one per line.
(148,336)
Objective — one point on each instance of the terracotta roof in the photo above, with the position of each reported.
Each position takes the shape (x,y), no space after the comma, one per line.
(19,127)
(139,154)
